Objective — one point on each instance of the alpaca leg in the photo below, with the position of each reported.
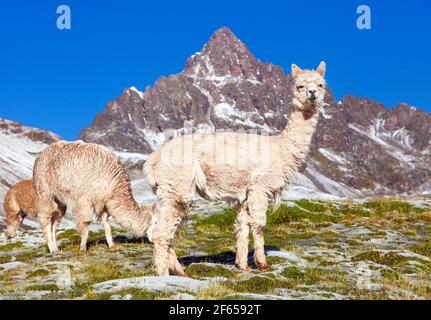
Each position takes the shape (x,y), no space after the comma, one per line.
(47,229)
(56,219)
(242,231)
(259,249)
(257,206)
(108,231)
(170,217)
(55,224)
(47,207)
(175,266)
(83,212)
(161,258)
(84,230)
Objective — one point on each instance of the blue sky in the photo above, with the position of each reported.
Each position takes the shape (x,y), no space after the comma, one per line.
(58,80)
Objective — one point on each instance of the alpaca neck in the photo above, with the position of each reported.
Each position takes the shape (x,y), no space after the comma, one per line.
(130,214)
(296,138)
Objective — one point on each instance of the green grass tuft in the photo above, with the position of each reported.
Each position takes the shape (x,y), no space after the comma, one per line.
(223,220)
(389,259)
(285,214)
(38,273)
(258,284)
(199,270)
(136,294)
(42,287)
(11,246)
(387,205)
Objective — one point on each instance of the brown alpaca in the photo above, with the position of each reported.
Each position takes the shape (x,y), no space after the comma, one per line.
(21,201)
(242,168)
(89,179)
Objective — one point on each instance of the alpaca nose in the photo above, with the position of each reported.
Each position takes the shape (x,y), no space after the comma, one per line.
(10,235)
(312,96)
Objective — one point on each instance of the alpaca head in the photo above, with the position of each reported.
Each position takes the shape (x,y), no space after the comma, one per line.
(309,89)
(13,223)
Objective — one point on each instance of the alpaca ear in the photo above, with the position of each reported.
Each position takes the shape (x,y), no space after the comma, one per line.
(295,70)
(321,69)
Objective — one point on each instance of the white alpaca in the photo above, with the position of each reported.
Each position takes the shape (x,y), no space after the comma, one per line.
(88,179)
(244,168)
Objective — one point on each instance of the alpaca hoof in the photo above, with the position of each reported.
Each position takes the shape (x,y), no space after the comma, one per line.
(263,267)
(161,273)
(244,269)
(113,248)
(180,274)
(53,250)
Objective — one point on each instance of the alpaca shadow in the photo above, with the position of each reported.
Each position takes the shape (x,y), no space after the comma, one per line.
(117,240)
(227,257)
(124,239)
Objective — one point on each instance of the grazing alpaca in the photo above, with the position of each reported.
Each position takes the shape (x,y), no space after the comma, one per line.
(21,201)
(88,179)
(242,168)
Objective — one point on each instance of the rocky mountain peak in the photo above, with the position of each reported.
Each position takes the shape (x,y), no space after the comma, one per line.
(226,40)
(224,55)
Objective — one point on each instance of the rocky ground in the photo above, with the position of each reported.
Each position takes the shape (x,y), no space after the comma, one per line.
(378,249)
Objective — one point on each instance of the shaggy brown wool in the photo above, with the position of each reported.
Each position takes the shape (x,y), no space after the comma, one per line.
(21,201)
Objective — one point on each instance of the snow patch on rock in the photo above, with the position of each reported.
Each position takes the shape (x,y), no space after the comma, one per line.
(140,93)
(394,143)
(331,155)
(229,113)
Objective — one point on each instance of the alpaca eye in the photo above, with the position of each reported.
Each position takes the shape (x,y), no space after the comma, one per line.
(321,85)
(300,87)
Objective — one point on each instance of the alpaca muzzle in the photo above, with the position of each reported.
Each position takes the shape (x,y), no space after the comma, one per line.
(10,232)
